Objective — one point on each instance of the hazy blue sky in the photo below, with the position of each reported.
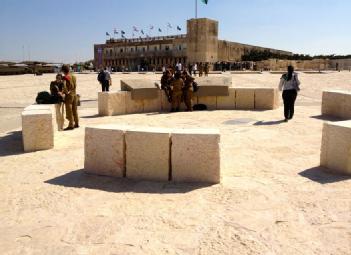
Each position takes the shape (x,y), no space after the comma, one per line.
(65,31)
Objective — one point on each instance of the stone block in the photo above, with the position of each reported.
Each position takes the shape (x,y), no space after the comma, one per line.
(112,103)
(336,147)
(154,104)
(133,106)
(141,89)
(210,102)
(195,155)
(104,150)
(245,98)
(226,102)
(337,103)
(35,107)
(148,154)
(266,98)
(37,130)
(214,86)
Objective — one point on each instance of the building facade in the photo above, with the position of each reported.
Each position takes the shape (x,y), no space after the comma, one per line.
(199,44)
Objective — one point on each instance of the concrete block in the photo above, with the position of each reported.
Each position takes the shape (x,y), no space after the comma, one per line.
(213,86)
(153,105)
(35,107)
(245,98)
(37,130)
(210,102)
(148,154)
(165,104)
(112,103)
(336,147)
(140,89)
(266,98)
(336,103)
(226,102)
(195,155)
(104,150)
(133,106)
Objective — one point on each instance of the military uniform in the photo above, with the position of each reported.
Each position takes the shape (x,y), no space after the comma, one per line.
(177,86)
(188,92)
(69,89)
(166,86)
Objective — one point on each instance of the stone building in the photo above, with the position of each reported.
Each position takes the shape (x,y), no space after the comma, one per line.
(199,44)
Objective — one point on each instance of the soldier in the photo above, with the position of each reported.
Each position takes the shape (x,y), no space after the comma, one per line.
(188,91)
(207,69)
(165,84)
(201,69)
(57,97)
(176,85)
(71,100)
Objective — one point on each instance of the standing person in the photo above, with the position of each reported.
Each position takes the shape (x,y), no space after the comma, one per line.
(56,88)
(207,69)
(194,70)
(104,78)
(71,100)
(166,80)
(188,90)
(290,85)
(201,69)
(176,85)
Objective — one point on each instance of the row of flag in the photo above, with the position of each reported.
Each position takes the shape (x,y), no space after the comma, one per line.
(141,31)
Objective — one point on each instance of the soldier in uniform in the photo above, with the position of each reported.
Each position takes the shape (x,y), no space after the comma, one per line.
(166,84)
(201,69)
(177,85)
(207,69)
(56,88)
(188,90)
(71,99)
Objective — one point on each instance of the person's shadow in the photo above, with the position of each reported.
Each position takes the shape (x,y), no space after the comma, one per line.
(268,123)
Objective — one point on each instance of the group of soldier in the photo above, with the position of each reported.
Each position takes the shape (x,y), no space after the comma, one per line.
(64,94)
(178,87)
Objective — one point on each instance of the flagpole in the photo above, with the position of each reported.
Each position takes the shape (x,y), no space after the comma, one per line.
(195,9)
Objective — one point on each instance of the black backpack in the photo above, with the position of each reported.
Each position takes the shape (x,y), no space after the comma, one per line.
(101,76)
(200,107)
(44,97)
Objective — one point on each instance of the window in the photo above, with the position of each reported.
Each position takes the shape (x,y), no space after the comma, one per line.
(131,49)
(155,48)
(121,50)
(180,47)
(143,49)
(167,48)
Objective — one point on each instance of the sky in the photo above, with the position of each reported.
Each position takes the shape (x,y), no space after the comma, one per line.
(66,30)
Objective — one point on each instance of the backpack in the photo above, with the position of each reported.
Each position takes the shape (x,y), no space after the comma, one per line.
(44,97)
(200,107)
(195,87)
(101,77)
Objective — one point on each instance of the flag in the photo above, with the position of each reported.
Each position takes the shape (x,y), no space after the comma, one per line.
(204,1)
(142,31)
(147,36)
(107,34)
(151,27)
(115,31)
(160,30)
(133,35)
(123,36)
(122,32)
(178,28)
(135,29)
(169,25)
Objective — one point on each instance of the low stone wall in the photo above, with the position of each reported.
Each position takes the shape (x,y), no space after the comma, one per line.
(157,154)
(336,147)
(38,127)
(121,102)
(337,103)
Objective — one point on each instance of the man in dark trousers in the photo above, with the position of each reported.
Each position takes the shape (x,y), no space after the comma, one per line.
(104,78)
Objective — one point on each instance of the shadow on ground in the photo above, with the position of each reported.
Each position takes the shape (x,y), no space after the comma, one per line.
(11,144)
(268,123)
(91,116)
(79,179)
(322,176)
(326,118)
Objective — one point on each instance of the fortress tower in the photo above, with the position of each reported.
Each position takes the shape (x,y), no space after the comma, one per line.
(202,40)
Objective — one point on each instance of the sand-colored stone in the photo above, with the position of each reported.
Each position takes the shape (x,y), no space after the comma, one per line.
(37,130)
(38,107)
(133,106)
(153,104)
(141,89)
(336,146)
(226,102)
(112,103)
(266,98)
(213,86)
(104,150)
(245,98)
(103,104)
(148,153)
(195,155)
(210,102)
(337,103)
(165,104)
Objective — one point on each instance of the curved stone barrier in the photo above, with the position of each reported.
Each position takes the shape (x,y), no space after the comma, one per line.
(157,154)
(38,128)
(121,102)
(337,103)
(336,147)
